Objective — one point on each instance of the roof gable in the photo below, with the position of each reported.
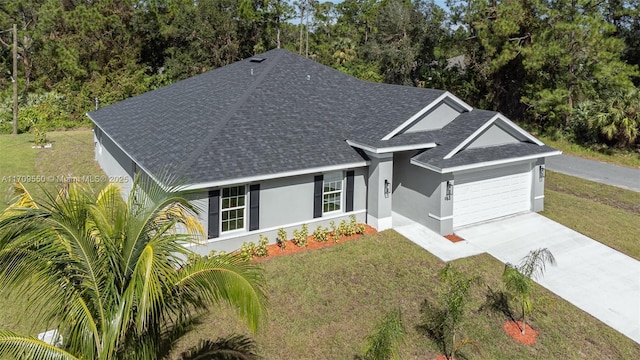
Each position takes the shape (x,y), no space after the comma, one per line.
(423,114)
(497,131)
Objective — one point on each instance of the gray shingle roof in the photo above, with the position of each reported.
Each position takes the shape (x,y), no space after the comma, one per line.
(286,113)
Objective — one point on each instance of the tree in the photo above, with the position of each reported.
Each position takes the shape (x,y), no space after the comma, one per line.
(115,274)
(575,57)
(519,280)
(618,117)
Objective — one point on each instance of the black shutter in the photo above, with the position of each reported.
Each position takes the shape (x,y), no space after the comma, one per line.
(317,196)
(214,214)
(254,207)
(349,195)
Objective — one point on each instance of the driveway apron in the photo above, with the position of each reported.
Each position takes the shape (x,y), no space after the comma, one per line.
(597,279)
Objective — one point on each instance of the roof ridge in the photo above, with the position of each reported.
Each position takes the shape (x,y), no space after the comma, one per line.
(229,114)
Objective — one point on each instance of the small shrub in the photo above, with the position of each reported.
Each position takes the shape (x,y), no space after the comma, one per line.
(247,251)
(214,253)
(39,136)
(282,238)
(321,234)
(262,250)
(193,257)
(360,229)
(300,236)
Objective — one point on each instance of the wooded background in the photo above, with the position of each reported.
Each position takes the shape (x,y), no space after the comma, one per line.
(565,67)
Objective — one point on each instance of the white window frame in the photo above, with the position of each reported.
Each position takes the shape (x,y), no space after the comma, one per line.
(340,192)
(223,210)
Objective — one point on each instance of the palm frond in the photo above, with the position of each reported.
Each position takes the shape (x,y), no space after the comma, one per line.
(15,346)
(234,347)
(384,342)
(225,279)
(534,264)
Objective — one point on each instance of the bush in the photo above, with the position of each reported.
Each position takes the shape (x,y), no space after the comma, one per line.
(282,238)
(300,236)
(321,234)
(39,136)
(247,251)
(262,250)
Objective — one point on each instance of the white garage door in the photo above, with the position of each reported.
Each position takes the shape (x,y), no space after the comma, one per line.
(480,200)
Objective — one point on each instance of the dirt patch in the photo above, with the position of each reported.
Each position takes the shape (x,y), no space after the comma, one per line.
(274,250)
(453,238)
(514,329)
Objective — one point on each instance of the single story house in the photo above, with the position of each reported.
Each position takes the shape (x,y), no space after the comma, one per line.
(277,141)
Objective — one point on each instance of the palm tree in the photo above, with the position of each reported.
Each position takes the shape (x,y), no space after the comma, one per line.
(115,273)
(384,342)
(618,118)
(519,280)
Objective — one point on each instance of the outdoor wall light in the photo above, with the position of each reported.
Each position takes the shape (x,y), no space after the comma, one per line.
(449,192)
(387,188)
(542,172)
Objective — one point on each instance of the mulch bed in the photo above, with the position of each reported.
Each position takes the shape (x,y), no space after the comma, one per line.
(274,250)
(453,238)
(514,329)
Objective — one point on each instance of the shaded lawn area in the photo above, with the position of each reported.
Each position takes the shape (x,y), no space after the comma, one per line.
(605,213)
(324,302)
(71,155)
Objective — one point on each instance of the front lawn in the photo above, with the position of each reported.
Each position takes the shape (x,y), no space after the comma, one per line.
(324,302)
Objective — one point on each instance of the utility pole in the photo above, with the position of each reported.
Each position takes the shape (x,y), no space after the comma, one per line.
(14,79)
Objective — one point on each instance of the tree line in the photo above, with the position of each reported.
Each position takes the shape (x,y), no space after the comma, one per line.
(568,68)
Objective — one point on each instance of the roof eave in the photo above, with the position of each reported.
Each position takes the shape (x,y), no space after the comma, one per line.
(473,166)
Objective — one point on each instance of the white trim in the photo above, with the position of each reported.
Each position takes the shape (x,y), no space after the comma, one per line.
(249,179)
(538,197)
(483,164)
(244,210)
(391,149)
(380,223)
(237,234)
(341,192)
(486,125)
(433,104)
(440,218)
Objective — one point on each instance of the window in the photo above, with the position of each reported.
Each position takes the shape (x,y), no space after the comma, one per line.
(233,208)
(332,192)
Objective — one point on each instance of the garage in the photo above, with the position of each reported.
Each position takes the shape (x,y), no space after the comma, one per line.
(484,196)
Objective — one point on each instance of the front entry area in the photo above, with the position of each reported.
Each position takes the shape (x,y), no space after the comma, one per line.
(481,197)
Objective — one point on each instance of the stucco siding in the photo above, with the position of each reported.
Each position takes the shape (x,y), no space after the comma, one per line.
(436,118)
(113,161)
(417,192)
(284,203)
(492,137)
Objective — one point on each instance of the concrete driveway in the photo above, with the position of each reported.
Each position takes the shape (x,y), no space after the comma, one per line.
(599,280)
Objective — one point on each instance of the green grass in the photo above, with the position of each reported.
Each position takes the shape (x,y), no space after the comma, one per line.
(609,155)
(323,304)
(70,155)
(605,213)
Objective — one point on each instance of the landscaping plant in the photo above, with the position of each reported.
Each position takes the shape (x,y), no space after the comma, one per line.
(519,280)
(112,275)
(384,342)
(442,320)
(282,238)
(321,234)
(300,236)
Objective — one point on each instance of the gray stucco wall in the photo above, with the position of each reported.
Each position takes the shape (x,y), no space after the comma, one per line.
(436,118)
(113,161)
(284,203)
(493,136)
(419,194)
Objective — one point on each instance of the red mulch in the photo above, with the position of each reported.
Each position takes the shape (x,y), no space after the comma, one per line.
(453,238)
(441,357)
(514,329)
(274,250)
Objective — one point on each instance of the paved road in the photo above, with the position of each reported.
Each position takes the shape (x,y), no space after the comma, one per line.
(615,175)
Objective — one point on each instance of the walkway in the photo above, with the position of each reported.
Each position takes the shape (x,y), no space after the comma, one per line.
(597,279)
(601,172)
